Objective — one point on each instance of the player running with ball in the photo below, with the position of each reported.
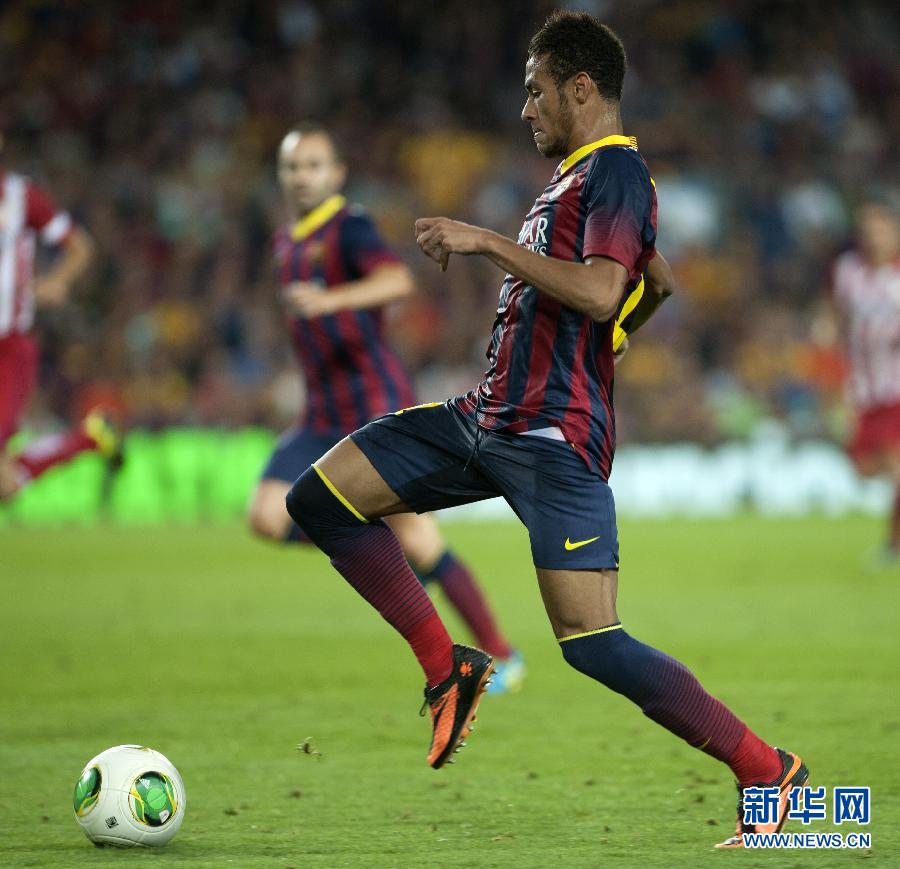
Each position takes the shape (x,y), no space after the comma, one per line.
(539,429)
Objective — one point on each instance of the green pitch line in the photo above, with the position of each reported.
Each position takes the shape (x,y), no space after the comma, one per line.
(227,654)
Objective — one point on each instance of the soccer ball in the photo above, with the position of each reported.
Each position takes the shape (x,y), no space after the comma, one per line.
(129,795)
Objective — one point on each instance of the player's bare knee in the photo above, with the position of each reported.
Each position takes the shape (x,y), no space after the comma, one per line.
(420,539)
(267,516)
(263,523)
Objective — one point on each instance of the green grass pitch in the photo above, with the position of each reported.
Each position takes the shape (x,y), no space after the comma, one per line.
(226,654)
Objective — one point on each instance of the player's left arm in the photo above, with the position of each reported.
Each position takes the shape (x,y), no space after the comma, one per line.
(593,287)
(657,285)
(386,283)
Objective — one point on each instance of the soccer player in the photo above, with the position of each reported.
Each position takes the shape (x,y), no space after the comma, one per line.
(539,428)
(28,215)
(866,296)
(337,275)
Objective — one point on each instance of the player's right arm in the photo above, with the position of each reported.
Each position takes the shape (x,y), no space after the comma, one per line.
(381,276)
(384,284)
(619,205)
(593,287)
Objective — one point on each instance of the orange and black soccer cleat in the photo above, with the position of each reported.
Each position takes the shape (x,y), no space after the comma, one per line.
(454,701)
(794,774)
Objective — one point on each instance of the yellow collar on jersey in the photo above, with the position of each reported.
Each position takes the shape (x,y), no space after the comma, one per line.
(584,150)
(318,217)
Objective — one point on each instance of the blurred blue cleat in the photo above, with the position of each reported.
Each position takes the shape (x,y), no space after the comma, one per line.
(509,674)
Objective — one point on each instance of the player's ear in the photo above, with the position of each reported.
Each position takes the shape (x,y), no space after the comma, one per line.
(583,84)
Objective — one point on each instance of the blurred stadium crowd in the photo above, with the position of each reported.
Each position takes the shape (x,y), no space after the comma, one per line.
(156,124)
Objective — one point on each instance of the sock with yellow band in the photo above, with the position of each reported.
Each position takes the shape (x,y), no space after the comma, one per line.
(669,694)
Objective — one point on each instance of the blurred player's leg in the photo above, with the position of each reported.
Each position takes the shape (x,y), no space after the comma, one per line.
(429,556)
(18,373)
(893,471)
(894,538)
(295,451)
(419,537)
(50,450)
(875,450)
(267,515)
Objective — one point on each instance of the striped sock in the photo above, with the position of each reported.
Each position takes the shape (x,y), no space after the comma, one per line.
(54,449)
(670,695)
(368,555)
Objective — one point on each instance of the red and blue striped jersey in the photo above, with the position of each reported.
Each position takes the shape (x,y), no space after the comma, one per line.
(351,374)
(549,365)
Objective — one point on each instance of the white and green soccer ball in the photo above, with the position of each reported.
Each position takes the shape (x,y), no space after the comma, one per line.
(129,795)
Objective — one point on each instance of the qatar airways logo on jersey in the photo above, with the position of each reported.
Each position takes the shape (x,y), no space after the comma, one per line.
(533,234)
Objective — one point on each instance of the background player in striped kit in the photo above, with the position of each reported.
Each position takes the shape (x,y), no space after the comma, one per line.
(865,293)
(29,216)
(336,276)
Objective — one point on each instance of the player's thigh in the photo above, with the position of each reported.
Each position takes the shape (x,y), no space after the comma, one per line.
(578,601)
(569,510)
(420,538)
(414,460)
(346,469)
(266,514)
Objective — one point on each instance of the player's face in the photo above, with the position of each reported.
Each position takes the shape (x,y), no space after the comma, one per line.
(309,170)
(547,110)
(879,233)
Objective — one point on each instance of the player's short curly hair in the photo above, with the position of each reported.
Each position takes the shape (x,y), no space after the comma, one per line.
(574,42)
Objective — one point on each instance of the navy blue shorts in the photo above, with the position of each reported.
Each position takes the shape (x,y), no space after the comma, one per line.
(296,450)
(430,457)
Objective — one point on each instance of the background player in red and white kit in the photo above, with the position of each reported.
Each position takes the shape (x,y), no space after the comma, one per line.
(337,275)
(28,217)
(866,296)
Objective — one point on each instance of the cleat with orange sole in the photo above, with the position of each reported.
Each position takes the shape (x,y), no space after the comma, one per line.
(453,703)
(794,774)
